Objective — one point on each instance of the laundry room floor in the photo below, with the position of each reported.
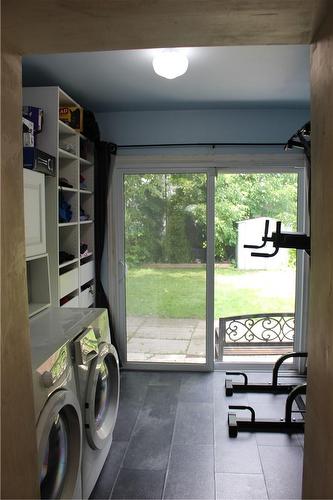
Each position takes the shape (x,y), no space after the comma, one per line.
(171,442)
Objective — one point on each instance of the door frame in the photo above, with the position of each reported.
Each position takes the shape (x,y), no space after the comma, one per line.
(118,280)
(209,161)
(301,278)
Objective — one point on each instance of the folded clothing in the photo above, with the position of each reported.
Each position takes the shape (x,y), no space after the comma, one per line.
(83,184)
(83,215)
(84,250)
(65,257)
(63,182)
(65,212)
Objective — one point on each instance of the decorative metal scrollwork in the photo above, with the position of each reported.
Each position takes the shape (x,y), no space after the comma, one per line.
(259,328)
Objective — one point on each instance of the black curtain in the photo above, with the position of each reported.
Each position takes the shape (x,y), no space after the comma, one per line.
(103,171)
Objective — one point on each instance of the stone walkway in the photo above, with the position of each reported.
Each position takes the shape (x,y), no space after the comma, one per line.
(165,340)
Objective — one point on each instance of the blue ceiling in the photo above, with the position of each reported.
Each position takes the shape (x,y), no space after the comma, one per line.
(218,77)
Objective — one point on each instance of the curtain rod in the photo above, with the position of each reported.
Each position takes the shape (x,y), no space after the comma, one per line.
(211,144)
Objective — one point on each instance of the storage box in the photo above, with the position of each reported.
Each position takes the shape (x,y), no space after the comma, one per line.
(28,133)
(35,115)
(72,116)
(34,159)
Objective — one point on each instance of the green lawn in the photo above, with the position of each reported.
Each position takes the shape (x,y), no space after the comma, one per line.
(180,293)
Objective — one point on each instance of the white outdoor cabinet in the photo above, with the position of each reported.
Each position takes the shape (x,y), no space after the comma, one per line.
(34,213)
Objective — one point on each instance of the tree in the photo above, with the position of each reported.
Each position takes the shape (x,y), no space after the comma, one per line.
(166,213)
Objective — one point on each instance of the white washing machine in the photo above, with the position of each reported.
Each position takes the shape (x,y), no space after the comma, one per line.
(57,408)
(97,374)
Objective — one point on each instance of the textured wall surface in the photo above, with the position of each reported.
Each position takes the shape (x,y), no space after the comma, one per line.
(221,125)
(318,461)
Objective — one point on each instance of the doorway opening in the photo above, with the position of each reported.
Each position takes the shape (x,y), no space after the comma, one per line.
(181,307)
(254,296)
(165,243)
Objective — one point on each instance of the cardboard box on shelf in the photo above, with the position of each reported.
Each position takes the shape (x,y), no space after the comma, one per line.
(34,159)
(28,133)
(72,116)
(35,115)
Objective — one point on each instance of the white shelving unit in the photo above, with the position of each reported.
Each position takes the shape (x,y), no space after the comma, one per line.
(72,282)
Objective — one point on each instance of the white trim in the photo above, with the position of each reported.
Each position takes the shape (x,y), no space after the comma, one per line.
(226,157)
(209,161)
(210,269)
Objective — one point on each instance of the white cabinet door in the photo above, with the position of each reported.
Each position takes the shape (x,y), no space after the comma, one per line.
(34,213)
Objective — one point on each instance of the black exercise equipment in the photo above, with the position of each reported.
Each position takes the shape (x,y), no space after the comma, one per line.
(286,424)
(302,140)
(300,241)
(274,387)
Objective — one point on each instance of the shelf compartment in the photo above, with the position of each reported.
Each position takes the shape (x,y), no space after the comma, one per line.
(73,300)
(68,282)
(88,174)
(69,169)
(72,199)
(87,204)
(66,100)
(87,151)
(67,224)
(87,272)
(87,236)
(69,144)
(86,257)
(83,161)
(68,242)
(64,188)
(38,284)
(87,297)
(68,263)
(66,154)
(65,129)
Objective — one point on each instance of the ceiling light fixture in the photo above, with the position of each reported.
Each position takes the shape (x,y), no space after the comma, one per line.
(170,64)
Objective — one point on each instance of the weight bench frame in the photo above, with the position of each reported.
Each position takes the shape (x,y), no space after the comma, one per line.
(286,424)
(273,387)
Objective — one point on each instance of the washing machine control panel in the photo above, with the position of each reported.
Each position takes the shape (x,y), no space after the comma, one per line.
(86,347)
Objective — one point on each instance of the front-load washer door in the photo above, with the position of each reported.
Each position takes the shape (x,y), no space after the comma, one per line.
(102,396)
(59,431)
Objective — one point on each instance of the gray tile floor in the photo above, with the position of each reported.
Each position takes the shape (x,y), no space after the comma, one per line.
(171,442)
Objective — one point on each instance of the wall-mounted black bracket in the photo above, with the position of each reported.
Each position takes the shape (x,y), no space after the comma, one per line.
(299,241)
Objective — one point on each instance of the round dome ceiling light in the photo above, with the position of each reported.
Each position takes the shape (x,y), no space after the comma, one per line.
(170,64)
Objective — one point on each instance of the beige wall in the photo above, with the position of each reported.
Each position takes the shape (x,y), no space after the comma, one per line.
(18,444)
(318,461)
(83,25)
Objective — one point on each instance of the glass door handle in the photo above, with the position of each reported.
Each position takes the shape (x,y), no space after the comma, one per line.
(122,268)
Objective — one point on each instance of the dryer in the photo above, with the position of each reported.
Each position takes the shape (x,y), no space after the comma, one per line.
(57,408)
(97,373)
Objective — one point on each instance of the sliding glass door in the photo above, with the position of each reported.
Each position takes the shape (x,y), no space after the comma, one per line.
(165,267)
(190,293)
(255,288)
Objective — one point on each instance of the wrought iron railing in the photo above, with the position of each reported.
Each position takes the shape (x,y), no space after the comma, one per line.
(255,330)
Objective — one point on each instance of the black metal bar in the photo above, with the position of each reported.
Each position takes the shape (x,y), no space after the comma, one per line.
(211,144)
(241,374)
(269,426)
(298,390)
(281,360)
(261,388)
(264,238)
(242,407)
(258,254)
